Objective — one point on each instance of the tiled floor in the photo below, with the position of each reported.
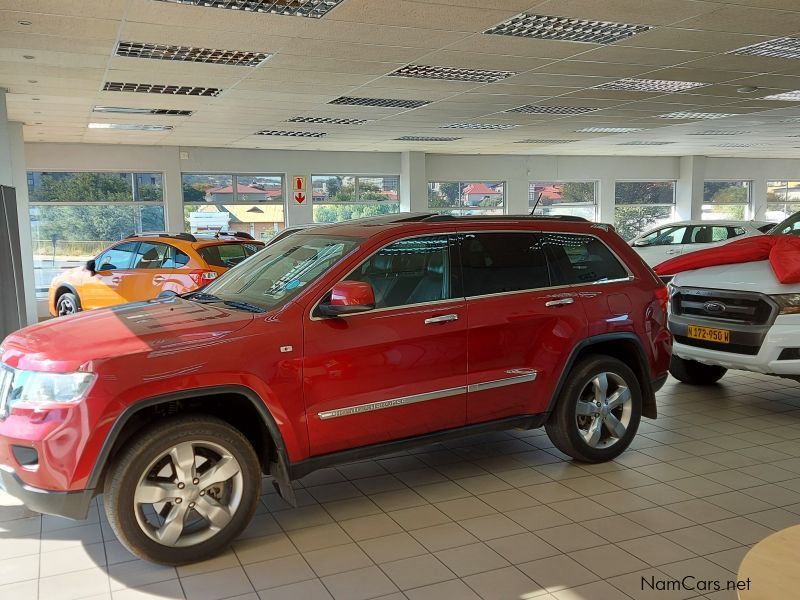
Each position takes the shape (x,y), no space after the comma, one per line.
(500,516)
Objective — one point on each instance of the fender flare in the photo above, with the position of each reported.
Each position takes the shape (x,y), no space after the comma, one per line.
(648,393)
(279,467)
(72,290)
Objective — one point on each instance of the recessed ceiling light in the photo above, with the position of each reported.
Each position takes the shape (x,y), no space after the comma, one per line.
(696,115)
(479,126)
(130,127)
(381,102)
(535,141)
(608,129)
(423,138)
(231,58)
(790,120)
(143,111)
(630,84)
(33,81)
(451,73)
(738,145)
(545,27)
(153,88)
(295,8)
(747,89)
(28,56)
(793,96)
(785,47)
(327,120)
(36,99)
(644,143)
(25,23)
(306,134)
(552,110)
(720,132)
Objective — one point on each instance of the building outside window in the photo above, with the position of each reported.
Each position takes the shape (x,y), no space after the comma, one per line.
(75,215)
(640,205)
(783,199)
(343,197)
(253,204)
(467,197)
(573,198)
(726,200)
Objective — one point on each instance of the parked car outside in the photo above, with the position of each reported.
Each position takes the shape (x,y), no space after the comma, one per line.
(142,266)
(334,344)
(673,239)
(736,316)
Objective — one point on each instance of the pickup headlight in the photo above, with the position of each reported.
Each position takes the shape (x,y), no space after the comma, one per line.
(38,389)
(788,303)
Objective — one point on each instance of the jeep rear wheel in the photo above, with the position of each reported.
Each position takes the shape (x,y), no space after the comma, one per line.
(598,410)
(695,373)
(183,490)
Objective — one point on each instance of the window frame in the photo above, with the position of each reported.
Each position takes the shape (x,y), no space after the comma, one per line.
(356,189)
(464,183)
(594,204)
(134,252)
(748,204)
(786,202)
(672,206)
(235,187)
(132,202)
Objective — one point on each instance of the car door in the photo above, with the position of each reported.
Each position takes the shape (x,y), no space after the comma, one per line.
(112,268)
(148,275)
(518,325)
(396,371)
(662,244)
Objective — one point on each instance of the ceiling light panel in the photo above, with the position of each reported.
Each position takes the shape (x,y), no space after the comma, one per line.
(720,132)
(231,58)
(420,138)
(608,129)
(786,47)
(295,8)
(302,134)
(696,115)
(327,120)
(793,96)
(143,111)
(535,109)
(738,145)
(380,102)
(535,141)
(152,88)
(130,127)
(451,74)
(566,29)
(479,126)
(630,84)
(644,143)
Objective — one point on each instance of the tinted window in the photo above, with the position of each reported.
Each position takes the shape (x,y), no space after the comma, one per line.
(579,259)
(227,255)
(666,237)
(789,226)
(408,272)
(151,255)
(494,263)
(175,259)
(118,257)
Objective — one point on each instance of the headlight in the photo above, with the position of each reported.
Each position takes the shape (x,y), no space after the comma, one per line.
(37,389)
(788,303)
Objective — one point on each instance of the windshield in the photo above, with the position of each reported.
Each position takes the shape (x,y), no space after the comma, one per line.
(278,273)
(789,226)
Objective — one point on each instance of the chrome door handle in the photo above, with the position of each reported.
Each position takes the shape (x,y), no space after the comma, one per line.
(673,251)
(116,279)
(560,302)
(158,279)
(441,319)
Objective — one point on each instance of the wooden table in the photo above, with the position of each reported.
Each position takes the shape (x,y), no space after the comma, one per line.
(773,567)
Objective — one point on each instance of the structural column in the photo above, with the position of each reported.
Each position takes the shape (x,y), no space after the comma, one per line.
(413,182)
(689,190)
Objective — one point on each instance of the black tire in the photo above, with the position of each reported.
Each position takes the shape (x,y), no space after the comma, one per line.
(695,373)
(67,304)
(567,429)
(133,469)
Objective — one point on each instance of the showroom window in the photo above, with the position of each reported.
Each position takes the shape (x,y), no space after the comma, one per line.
(253,204)
(75,215)
(343,197)
(726,200)
(640,205)
(783,199)
(467,197)
(574,198)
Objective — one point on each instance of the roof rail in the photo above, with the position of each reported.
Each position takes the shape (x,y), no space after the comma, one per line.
(237,234)
(445,217)
(164,234)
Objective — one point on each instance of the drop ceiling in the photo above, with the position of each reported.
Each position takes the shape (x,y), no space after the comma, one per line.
(233,75)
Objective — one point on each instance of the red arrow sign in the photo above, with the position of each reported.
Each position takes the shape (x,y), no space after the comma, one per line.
(299,197)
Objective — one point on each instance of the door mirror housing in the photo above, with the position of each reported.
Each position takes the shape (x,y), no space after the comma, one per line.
(166,294)
(91,266)
(641,243)
(347,298)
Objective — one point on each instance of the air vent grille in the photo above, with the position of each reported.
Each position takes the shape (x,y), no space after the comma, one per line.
(479,126)
(644,143)
(696,115)
(786,47)
(231,58)
(171,112)
(302,134)
(327,121)
(666,86)
(608,129)
(545,27)
(153,88)
(535,141)
(423,138)
(380,102)
(552,110)
(451,73)
(793,96)
(295,8)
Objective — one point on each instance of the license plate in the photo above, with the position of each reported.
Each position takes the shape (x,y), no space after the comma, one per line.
(709,334)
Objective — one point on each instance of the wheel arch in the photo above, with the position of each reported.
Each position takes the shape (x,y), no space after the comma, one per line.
(65,288)
(624,346)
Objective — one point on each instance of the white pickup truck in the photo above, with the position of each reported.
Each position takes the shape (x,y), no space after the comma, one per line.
(735,317)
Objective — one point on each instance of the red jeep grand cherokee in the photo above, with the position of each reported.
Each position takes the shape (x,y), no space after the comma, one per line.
(331,345)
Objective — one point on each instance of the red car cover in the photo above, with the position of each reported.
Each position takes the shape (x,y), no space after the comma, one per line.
(783,252)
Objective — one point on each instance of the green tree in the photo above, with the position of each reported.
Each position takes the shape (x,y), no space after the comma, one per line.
(629,220)
(333,213)
(192,193)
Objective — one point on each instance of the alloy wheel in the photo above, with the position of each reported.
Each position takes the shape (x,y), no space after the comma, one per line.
(603,410)
(66,306)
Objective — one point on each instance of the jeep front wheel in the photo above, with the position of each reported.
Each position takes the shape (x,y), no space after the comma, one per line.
(182,490)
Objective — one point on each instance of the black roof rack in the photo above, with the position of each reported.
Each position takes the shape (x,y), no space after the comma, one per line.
(441,217)
(242,235)
(164,234)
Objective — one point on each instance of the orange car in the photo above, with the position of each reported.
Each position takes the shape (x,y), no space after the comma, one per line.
(142,266)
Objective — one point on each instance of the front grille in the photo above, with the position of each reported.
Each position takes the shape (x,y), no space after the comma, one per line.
(747,308)
(734,348)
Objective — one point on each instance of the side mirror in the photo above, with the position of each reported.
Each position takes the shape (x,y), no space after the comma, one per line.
(167,294)
(347,298)
(91,266)
(641,243)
